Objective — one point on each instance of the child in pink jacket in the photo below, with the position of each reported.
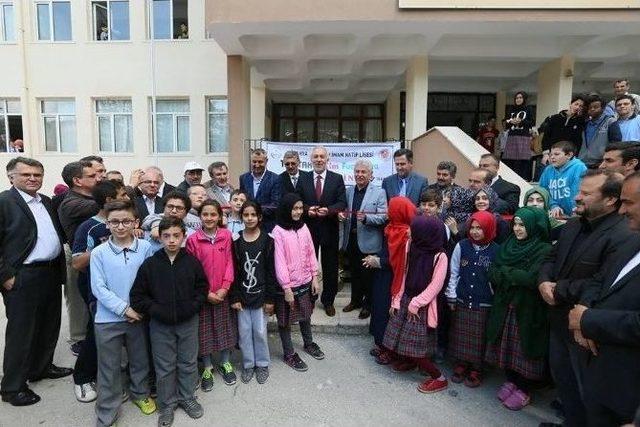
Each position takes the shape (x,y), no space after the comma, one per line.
(410,333)
(213,246)
(297,274)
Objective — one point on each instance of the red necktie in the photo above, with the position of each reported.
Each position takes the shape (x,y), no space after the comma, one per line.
(318,187)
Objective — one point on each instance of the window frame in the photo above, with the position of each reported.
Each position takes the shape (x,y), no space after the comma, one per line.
(52,33)
(57,116)
(3,29)
(112,124)
(151,29)
(174,124)
(95,36)
(4,116)
(210,115)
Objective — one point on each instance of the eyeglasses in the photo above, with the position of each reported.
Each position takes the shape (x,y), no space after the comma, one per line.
(114,223)
(151,182)
(290,164)
(175,207)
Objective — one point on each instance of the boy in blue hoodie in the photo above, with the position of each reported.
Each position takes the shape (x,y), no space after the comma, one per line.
(562,178)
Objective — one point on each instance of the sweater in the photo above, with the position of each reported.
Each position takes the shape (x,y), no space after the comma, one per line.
(630,128)
(563,184)
(469,275)
(524,113)
(560,127)
(169,292)
(255,280)
(216,257)
(295,256)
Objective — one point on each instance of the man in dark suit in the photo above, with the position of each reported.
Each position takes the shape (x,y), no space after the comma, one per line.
(290,178)
(608,324)
(263,187)
(404,182)
(136,178)
(324,196)
(508,193)
(32,270)
(149,201)
(585,246)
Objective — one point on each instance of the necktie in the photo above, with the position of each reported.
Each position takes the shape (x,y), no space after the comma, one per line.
(318,187)
(403,187)
(294,181)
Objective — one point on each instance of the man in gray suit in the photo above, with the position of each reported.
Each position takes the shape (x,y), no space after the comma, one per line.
(362,224)
(404,182)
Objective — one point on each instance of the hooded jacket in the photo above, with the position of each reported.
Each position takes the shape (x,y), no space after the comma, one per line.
(595,137)
(563,184)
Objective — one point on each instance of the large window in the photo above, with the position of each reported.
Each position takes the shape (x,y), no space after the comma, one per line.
(218,125)
(59,125)
(172,125)
(110,20)
(464,110)
(7,22)
(53,20)
(169,19)
(329,122)
(10,126)
(115,125)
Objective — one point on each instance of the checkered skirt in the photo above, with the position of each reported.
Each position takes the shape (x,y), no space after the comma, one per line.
(517,148)
(411,339)
(507,351)
(467,342)
(218,328)
(301,310)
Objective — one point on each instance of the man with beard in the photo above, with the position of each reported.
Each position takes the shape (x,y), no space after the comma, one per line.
(445,174)
(621,157)
(586,244)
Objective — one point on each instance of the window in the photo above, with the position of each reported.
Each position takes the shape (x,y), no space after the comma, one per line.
(218,125)
(169,19)
(10,126)
(172,125)
(59,125)
(54,20)
(110,20)
(464,110)
(115,125)
(7,25)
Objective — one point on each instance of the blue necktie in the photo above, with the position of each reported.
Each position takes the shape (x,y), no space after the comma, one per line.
(403,187)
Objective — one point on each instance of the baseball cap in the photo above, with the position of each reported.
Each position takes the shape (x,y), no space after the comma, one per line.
(192,166)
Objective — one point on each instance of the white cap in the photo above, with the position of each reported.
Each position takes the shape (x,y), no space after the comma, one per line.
(192,166)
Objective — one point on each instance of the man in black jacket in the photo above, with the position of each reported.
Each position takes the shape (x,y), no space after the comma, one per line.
(610,328)
(323,194)
(585,245)
(290,178)
(32,270)
(508,193)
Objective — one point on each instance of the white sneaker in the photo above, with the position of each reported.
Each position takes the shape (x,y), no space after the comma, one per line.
(86,393)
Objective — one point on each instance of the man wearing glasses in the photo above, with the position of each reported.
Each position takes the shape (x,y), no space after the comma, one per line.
(290,178)
(176,205)
(150,201)
(32,268)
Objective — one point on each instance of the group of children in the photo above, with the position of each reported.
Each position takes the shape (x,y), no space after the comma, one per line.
(177,307)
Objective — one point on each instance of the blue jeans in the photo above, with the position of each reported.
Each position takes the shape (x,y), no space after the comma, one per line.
(252,328)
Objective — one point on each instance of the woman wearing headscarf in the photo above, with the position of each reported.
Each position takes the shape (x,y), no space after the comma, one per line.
(517,149)
(411,332)
(486,199)
(517,329)
(539,197)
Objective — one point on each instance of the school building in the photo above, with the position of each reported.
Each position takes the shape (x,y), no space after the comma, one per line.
(161,82)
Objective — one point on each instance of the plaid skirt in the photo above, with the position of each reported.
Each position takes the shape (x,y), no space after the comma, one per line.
(507,352)
(517,148)
(301,310)
(218,328)
(410,339)
(467,342)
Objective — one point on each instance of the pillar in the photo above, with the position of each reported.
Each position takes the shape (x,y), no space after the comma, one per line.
(501,107)
(258,104)
(392,116)
(239,95)
(555,83)
(417,79)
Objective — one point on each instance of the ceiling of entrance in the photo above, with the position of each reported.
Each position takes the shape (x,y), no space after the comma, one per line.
(364,61)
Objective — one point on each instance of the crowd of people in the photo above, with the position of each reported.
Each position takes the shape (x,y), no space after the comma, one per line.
(181,276)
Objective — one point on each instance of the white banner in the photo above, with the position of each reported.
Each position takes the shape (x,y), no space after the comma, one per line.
(342,157)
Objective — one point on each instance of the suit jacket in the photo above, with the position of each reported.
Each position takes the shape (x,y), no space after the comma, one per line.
(509,195)
(324,230)
(19,233)
(268,195)
(213,192)
(415,186)
(612,378)
(168,188)
(143,211)
(285,183)
(369,233)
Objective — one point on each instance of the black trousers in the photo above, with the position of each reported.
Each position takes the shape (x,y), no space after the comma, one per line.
(86,367)
(361,277)
(329,256)
(33,309)
(599,415)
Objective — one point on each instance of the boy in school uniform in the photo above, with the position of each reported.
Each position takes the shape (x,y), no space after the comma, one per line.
(113,267)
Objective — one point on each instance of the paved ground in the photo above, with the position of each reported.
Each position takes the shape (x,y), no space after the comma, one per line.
(345,389)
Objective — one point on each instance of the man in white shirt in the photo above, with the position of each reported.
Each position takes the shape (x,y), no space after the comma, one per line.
(290,178)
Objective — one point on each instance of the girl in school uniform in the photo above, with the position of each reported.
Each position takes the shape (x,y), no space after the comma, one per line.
(469,295)
(414,312)
(297,273)
(517,328)
(218,329)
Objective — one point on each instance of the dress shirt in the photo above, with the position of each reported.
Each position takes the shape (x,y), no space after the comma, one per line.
(256,182)
(151,203)
(633,263)
(47,245)
(225,192)
(294,179)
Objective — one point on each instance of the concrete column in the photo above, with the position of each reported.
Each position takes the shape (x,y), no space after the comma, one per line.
(239,94)
(392,119)
(501,107)
(555,83)
(258,110)
(417,77)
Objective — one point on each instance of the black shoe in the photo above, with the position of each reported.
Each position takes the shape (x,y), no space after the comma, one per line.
(330,310)
(295,362)
(364,313)
(228,376)
(53,372)
(75,348)
(350,307)
(22,398)
(313,350)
